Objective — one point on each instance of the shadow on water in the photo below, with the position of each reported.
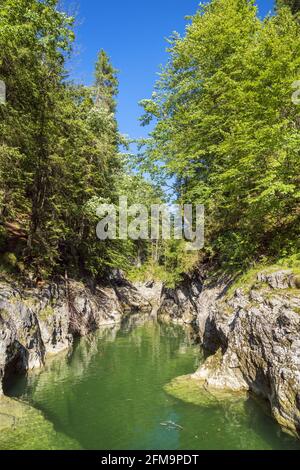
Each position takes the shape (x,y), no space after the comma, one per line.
(107,393)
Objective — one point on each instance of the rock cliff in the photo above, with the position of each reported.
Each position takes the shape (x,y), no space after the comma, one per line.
(41,321)
(182,303)
(252,338)
(257,337)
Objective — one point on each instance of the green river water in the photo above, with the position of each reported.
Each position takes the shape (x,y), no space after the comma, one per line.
(107,393)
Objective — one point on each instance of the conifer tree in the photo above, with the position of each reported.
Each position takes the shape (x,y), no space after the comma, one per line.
(106,83)
(294,5)
(58,145)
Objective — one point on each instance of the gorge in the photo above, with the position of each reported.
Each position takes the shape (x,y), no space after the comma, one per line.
(249,336)
(133,338)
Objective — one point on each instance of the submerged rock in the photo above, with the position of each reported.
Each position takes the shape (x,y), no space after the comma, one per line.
(194,390)
(253,338)
(258,335)
(12,412)
(16,417)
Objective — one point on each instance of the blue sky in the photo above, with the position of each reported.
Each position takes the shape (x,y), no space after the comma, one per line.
(133,33)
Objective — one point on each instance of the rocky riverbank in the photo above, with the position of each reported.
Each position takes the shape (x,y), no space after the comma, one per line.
(252,337)
(36,322)
(251,334)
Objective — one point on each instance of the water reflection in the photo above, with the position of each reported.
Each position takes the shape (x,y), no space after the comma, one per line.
(108,394)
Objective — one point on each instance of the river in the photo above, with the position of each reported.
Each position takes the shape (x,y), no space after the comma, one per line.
(108,393)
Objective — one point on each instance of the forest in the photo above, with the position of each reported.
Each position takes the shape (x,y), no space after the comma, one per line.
(226,135)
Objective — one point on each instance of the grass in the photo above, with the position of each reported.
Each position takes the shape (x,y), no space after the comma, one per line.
(248,279)
(149,271)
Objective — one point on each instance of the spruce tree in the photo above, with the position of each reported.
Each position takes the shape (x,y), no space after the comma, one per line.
(106,83)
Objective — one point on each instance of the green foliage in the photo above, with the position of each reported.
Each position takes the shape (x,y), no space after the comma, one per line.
(248,279)
(106,82)
(167,262)
(59,155)
(294,5)
(10,259)
(227,130)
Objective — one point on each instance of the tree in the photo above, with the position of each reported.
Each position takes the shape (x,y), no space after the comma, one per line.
(58,146)
(106,84)
(227,130)
(34,39)
(294,5)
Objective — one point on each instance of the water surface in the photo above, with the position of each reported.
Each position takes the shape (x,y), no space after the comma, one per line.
(108,394)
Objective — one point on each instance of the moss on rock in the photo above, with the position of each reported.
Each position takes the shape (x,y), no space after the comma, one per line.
(4,314)
(297,281)
(16,417)
(46,313)
(193,390)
